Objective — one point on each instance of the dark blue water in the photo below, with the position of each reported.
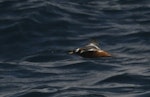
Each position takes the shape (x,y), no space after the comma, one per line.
(35,36)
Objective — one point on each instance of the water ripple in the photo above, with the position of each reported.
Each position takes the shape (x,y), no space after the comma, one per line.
(36,35)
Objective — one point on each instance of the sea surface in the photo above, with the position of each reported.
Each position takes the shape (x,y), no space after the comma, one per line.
(36,35)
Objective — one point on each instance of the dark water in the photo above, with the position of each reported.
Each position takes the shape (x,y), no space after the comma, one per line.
(35,35)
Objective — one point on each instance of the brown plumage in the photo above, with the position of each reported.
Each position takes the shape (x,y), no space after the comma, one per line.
(91,50)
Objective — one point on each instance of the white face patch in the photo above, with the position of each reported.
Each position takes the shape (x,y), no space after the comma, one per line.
(77,50)
(81,51)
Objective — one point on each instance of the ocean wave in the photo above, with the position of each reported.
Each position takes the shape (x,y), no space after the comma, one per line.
(36,36)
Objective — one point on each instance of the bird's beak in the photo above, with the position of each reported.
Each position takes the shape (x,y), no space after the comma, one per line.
(70,52)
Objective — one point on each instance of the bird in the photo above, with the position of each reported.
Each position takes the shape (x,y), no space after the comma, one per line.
(91,50)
